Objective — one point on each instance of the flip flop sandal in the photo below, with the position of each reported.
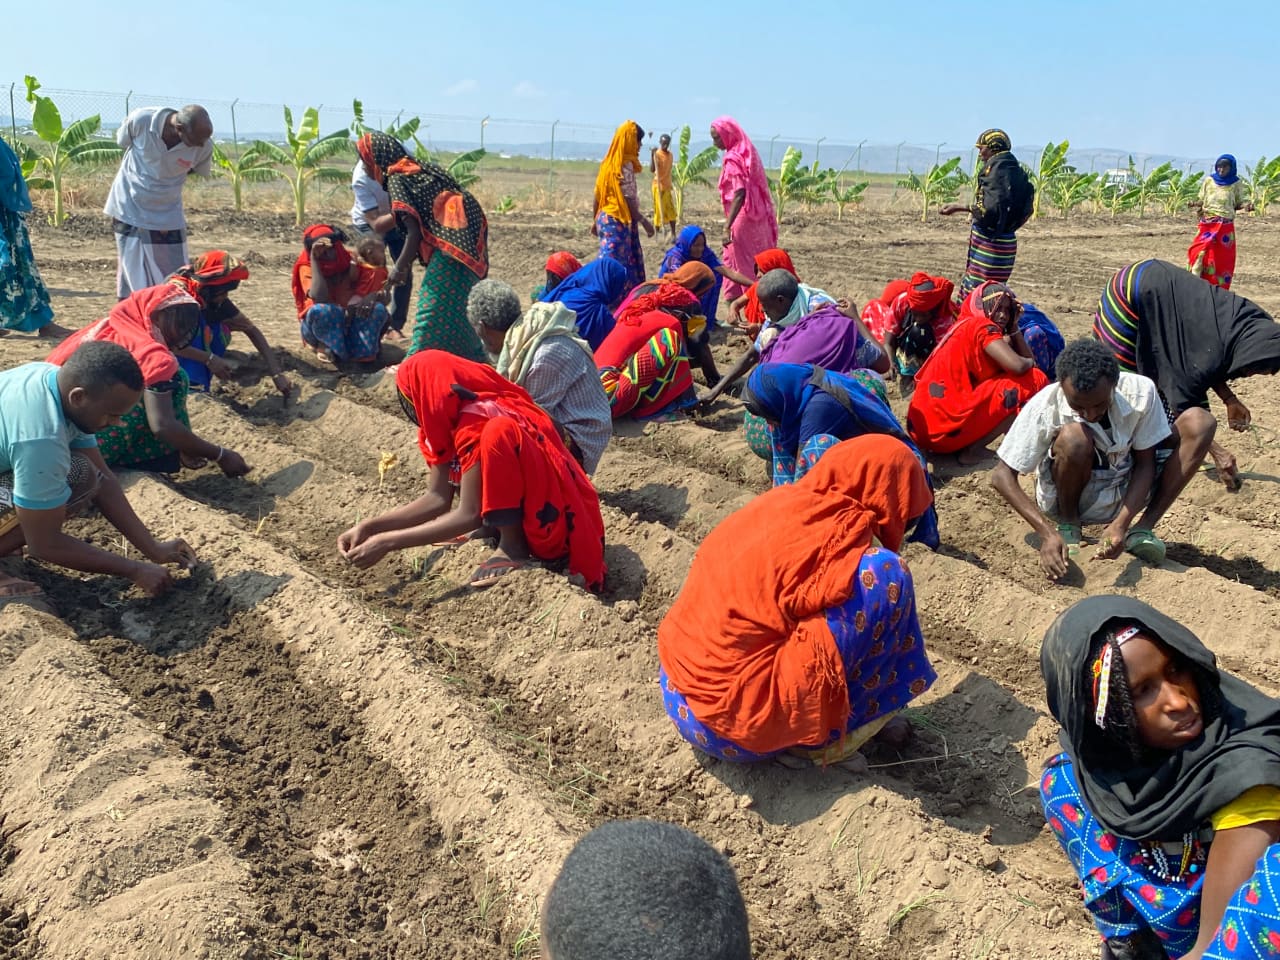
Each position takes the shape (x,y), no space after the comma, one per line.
(493,570)
(1070,534)
(1144,545)
(454,542)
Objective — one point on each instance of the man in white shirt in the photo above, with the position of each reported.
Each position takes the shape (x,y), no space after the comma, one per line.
(371,213)
(162,147)
(1091,439)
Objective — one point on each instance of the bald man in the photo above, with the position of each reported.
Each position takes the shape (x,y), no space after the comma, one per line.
(162,147)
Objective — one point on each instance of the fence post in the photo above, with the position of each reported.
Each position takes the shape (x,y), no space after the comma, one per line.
(127,97)
(551,163)
(937,154)
(13,117)
(897,157)
(817,149)
(483,123)
(772,140)
(235,138)
(858,162)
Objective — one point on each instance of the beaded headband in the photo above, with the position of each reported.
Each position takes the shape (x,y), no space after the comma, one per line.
(1102,673)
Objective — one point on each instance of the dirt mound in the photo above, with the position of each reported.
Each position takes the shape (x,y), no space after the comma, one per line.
(286,756)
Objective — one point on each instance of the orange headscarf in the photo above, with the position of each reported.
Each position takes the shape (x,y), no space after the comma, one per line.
(747,640)
(775,258)
(624,149)
(694,276)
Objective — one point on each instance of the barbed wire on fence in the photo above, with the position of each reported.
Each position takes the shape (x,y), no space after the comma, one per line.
(238,121)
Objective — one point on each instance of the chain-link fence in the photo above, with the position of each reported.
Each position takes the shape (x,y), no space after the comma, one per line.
(237,121)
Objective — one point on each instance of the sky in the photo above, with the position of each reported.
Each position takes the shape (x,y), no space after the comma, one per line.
(1129,75)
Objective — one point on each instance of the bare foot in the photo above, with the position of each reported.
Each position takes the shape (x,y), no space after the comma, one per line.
(13,588)
(896,734)
(394,335)
(54,331)
(971,456)
(856,764)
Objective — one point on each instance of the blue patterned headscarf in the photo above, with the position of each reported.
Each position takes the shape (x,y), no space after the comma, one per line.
(680,252)
(592,293)
(13,188)
(779,392)
(1231,176)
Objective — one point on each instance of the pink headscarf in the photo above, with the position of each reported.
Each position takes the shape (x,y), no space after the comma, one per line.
(742,169)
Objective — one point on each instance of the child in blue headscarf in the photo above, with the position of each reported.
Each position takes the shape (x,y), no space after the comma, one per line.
(1212,254)
(691,247)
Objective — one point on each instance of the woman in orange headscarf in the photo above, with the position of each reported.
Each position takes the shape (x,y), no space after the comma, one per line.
(484,436)
(795,631)
(748,304)
(617,203)
(695,278)
(976,380)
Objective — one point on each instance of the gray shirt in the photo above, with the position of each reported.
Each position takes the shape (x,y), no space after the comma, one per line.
(563,380)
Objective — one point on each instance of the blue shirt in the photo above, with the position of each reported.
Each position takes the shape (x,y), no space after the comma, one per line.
(37,437)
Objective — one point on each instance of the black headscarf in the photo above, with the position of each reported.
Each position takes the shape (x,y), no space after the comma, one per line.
(1171,793)
(1192,336)
(451,219)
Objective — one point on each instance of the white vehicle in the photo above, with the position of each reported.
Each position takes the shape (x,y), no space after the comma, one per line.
(1120,178)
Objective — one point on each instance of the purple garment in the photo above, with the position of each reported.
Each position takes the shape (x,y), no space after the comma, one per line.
(825,338)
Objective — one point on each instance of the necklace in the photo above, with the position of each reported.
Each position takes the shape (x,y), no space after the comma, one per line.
(1157,859)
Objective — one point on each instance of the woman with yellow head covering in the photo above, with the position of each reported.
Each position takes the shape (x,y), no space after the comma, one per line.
(617,204)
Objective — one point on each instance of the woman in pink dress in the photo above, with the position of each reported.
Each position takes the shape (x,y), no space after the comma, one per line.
(751,226)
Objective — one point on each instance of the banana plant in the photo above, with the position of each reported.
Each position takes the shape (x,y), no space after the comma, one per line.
(1264,183)
(843,196)
(799,183)
(305,156)
(690,171)
(60,147)
(1069,189)
(1180,190)
(1053,164)
(401,131)
(250,165)
(1147,187)
(940,185)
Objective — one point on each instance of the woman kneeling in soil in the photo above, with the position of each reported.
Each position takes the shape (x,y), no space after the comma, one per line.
(341,303)
(485,437)
(592,293)
(808,410)
(974,383)
(909,318)
(795,631)
(644,361)
(211,278)
(1189,337)
(156,434)
(1167,799)
(691,247)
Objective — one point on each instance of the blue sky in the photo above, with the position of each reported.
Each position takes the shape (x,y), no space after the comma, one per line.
(1103,74)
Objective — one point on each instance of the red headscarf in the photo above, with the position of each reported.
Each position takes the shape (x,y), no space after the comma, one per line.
(208,271)
(750,648)
(563,263)
(665,296)
(774,258)
(924,300)
(453,401)
(338,265)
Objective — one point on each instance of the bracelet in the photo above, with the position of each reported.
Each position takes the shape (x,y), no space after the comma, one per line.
(218,458)
(209,358)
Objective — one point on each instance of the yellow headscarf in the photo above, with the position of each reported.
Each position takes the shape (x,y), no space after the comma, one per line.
(624,149)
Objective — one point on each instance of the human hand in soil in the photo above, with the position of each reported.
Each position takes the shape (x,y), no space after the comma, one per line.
(365,554)
(1238,416)
(1112,543)
(1225,461)
(1053,556)
(219,367)
(283,384)
(232,464)
(947,209)
(152,579)
(352,537)
(177,552)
